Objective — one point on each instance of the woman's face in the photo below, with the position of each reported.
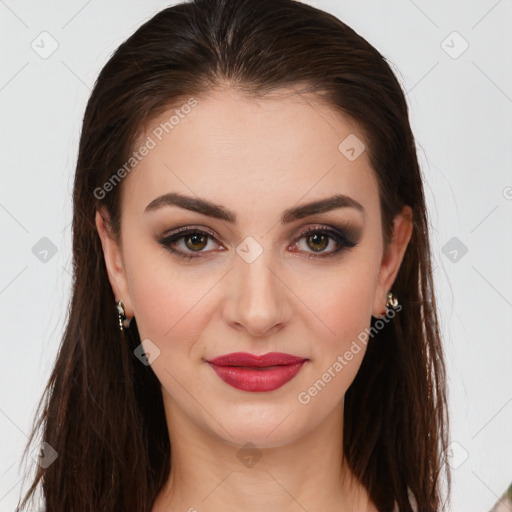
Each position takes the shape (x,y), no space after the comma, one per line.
(245,278)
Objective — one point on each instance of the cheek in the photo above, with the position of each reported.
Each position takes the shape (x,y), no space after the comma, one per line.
(342,302)
(343,316)
(168,311)
(170,303)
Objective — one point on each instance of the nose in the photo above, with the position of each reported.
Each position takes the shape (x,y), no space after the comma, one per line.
(259,299)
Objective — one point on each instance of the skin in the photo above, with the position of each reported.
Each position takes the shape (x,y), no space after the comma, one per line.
(256,158)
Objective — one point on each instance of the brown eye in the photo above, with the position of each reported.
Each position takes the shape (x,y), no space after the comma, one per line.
(194,241)
(318,242)
(197,241)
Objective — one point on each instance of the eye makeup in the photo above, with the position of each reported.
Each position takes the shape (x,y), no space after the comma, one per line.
(344,236)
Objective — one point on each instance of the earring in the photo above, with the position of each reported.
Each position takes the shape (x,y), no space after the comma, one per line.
(391,303)
(121,314)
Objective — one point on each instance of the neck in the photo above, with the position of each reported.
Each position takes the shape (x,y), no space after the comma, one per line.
(210,474)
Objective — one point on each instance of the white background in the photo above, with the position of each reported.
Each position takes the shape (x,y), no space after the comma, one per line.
(461,114)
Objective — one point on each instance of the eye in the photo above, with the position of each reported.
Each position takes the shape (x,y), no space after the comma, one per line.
(194,240)
(317,239)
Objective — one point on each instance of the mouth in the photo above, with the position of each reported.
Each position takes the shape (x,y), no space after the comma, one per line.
(254,373)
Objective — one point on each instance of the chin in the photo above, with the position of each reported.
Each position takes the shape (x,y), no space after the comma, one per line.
(263,431)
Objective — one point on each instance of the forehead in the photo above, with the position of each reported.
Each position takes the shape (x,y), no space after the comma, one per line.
(250,153)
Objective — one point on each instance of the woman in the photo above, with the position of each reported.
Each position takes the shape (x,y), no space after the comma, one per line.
(252,323)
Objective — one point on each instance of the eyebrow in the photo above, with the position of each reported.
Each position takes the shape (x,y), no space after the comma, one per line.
(220,212)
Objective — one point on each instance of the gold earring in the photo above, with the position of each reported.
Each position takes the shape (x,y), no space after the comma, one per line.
(392,301)
(121,314)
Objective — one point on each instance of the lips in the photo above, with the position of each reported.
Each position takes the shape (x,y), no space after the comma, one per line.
(251,372)
(258,361)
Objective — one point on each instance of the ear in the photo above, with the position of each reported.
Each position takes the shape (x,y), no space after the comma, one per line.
(392,259)
(113,261)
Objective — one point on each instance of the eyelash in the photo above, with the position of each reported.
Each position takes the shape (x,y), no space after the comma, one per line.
(346,239)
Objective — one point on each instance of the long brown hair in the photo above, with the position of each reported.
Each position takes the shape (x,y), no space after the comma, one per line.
(102,410)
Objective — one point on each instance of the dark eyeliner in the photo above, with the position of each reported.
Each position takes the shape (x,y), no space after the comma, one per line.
(167,241)
(345,235)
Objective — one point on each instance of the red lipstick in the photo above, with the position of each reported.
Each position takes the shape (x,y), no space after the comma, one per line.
(250,372)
